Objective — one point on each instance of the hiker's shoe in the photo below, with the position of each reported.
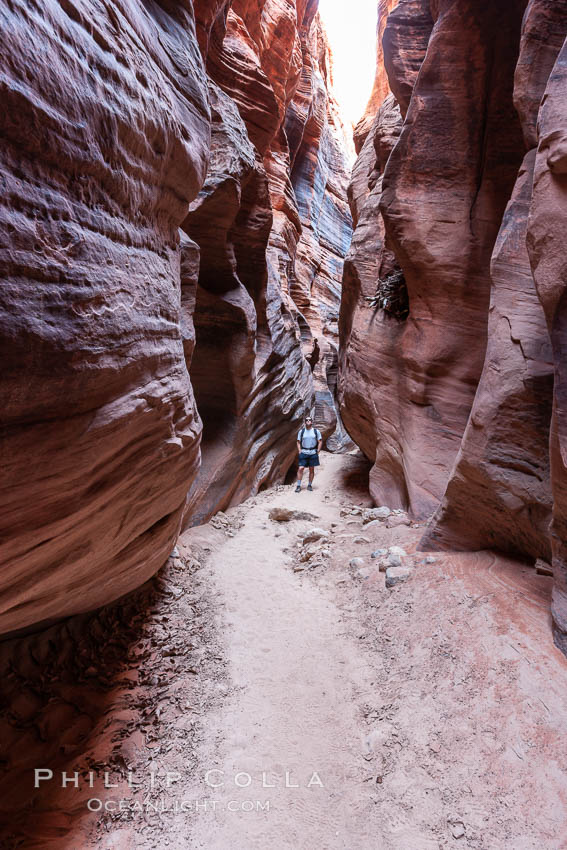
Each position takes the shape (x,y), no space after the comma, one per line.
(298,488)
(309,487)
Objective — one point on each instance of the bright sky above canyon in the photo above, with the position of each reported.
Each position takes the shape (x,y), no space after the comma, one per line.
(351,27)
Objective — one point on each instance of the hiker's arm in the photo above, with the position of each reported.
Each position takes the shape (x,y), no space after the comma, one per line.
(319,444)
(299,447)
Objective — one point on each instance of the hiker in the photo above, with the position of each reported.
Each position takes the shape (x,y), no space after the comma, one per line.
(309,442)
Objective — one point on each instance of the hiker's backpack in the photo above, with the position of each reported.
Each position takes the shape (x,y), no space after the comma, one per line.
(302,432)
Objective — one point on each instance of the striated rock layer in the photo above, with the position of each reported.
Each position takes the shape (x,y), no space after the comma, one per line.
(125,338)
(547,231)
(450,322)
(381,87)
(100,436)
(273,226)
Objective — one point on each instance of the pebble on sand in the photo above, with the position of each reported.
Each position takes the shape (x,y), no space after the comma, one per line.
(356,562)
(396,575)
(314,534)
(370,514)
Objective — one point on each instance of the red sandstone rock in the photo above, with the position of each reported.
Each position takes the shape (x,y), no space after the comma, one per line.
(319,179)
(547,232)
(406,41)
(361,372)
(445,188)
(210,24)
(406,390)
(381,87)
(105,127)
(105,311)
(499,493)
(248,438)
(251,381)
(543,33)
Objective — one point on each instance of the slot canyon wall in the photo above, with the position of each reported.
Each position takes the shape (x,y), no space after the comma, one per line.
(451,326)
(174,223)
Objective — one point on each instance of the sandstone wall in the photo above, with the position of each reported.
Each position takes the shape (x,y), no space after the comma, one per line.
(547,230)
(381,87)
(273,226)
(319,178)
(125,338)
(105,127)
(453,401)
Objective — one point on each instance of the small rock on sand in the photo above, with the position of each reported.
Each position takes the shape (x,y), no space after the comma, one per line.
(395,521)
(457,827)
(361,540)
(285,515)
(315,534)
(308,553)
(356,562)
(396,575)
(395,555)
(353,511)
(376,513)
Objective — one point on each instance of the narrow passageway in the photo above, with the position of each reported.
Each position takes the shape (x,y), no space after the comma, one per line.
(368,698)
(219,220)
(297,680)
(268,689)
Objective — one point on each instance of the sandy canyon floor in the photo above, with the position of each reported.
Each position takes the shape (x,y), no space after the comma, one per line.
(308,708)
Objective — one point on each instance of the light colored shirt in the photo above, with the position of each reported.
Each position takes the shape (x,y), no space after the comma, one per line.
(311,437)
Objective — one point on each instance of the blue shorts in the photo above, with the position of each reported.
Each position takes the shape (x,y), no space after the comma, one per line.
(308,460)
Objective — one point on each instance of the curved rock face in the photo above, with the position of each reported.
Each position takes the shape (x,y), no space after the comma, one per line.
(100,436)
(498,495)
(381,87)
(319,180)
(470,216)
(111,315)
(446,186)
(547,232)
(273,226)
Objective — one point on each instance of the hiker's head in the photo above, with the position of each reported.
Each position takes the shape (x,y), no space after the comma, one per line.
(308,421)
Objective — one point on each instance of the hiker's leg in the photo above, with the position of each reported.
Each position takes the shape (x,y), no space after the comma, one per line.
(311,474)
(300,474)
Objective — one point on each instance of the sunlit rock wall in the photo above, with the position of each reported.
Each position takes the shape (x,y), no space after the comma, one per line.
(273,226)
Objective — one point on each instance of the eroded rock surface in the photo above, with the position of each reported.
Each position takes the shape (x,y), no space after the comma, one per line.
(124,337)
(547,232)
(452,395)
(499,494)
(273,226)
(105,142)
